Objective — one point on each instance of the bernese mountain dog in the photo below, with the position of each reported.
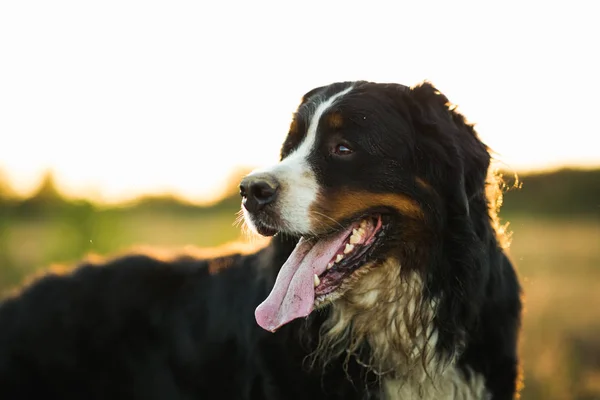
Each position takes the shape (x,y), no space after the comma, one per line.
(386,278)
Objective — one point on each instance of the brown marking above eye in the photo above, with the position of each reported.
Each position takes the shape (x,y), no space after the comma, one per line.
(335,120)
(335,207)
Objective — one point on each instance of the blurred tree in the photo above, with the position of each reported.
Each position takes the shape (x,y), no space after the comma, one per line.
(565,192)
(47,193)
(164,203)
(7,200)
(7,194)
(48,204)
(46,199)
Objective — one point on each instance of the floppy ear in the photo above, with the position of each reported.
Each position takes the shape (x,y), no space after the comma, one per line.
(458,162)
(467,159)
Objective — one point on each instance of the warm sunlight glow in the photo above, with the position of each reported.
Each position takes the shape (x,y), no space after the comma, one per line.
(123,98)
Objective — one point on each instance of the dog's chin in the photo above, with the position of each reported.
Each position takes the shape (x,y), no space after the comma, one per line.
(346,285)
(261,226)
(265,230)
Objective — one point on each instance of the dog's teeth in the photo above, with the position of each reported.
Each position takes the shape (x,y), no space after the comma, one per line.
(348,248)
(355,238)
(317,280)
(363,223)
(330,265)
(339,258)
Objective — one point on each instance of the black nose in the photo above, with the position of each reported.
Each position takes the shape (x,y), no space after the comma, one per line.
(258,191)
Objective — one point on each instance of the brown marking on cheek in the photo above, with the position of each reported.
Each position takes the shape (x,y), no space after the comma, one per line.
(335,120)
(414,251)
(345,204)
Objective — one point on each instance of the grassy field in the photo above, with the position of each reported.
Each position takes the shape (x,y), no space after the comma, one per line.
(28,245)
(558,260)
(559,264)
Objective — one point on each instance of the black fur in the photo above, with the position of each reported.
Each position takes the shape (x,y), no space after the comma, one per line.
(140,328)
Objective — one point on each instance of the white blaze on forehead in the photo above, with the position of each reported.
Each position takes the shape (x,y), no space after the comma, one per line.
(307,144)
(298,183)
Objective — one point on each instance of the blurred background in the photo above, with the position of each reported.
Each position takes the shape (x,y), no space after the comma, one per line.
(129,123)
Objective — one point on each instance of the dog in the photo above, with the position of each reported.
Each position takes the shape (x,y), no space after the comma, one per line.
(386,277)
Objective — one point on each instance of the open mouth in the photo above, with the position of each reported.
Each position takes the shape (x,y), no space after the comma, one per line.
(351,255)
(316,269)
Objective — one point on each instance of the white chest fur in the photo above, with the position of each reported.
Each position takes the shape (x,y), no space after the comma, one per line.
(451,385)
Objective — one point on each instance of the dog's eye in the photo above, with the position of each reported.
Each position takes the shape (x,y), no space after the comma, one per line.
(342,150)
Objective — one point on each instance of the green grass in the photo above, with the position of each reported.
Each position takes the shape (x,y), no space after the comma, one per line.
(31,244)
(558,261)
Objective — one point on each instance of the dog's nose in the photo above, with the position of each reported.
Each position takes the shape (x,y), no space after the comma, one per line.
(258,191)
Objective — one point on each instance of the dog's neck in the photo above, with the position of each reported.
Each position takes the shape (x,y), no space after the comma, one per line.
(386,311)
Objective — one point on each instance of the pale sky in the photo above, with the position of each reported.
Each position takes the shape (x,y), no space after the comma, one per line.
(121,98)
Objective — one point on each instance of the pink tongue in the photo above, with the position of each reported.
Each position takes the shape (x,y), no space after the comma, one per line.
(293,295)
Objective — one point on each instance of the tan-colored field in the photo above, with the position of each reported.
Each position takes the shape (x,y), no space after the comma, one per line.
(558,261)
(559,266)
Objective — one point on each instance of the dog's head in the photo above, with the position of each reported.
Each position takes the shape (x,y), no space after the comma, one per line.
(372,177)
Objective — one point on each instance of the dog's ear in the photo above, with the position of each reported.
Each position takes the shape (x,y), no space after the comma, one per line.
(458,162)
(465,157)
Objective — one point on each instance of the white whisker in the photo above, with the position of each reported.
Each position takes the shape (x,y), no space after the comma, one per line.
(328,217)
